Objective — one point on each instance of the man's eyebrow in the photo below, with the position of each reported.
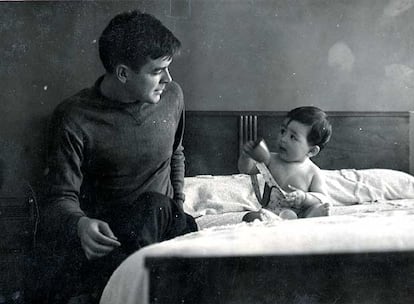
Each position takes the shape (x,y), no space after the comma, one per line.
(292,131)
(160,68)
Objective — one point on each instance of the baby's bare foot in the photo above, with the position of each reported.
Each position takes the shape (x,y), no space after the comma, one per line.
(318,210)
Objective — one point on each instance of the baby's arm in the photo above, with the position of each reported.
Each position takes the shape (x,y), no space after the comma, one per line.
(318,185)
(304,199)
(246,164)
(316,203)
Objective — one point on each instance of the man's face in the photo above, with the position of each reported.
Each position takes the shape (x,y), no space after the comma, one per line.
(149,82)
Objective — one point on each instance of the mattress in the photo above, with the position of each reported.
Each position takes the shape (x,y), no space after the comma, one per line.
(372,212)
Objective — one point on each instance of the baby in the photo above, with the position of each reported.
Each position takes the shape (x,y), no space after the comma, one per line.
(303,134)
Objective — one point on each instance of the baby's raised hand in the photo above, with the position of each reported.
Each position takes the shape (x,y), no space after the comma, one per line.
(295,198)
(249,147)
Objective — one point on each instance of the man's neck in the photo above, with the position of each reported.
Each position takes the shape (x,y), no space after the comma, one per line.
(112,89)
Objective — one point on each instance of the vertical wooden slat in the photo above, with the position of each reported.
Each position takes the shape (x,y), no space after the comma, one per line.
(411,142)
(241,135)
(247,129)
(250,127)
(255,127)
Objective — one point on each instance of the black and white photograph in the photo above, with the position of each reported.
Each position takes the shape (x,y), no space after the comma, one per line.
(207,152)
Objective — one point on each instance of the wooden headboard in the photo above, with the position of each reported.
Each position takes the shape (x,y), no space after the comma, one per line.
(360,140)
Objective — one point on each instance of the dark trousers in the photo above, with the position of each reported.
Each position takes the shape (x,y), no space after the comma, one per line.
(152,218)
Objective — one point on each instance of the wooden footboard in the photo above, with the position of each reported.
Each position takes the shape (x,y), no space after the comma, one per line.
(380,278)
(360,140)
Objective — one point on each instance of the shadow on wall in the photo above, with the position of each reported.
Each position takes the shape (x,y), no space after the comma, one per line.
(2,169)
(34,151)
(23,157)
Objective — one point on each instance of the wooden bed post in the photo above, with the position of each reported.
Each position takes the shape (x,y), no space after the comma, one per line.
(411,142)
(247,129)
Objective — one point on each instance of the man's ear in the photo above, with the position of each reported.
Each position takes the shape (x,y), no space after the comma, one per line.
(314,151)
(122,72)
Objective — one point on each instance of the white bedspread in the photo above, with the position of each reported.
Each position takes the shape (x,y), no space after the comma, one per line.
(363,232)
(220,200)
(373,211)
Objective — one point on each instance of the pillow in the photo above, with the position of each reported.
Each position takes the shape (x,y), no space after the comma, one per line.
(350,186)
(207,194)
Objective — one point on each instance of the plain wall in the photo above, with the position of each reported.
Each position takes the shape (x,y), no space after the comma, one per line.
(237,55)
(348,55)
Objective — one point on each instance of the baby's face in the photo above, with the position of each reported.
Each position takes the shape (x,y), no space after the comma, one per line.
(292,141)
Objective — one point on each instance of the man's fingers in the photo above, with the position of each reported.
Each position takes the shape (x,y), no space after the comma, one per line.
(91,255)
(105,240)
(101,249)
(96,237)
(106,236)
(106,230)
(95,250)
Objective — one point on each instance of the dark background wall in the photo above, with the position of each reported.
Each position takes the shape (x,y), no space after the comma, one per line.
(260,55)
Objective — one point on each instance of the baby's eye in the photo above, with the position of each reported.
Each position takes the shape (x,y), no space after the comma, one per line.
(293,137)
(282,131)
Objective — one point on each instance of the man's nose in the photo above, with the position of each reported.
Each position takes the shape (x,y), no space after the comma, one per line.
(166,77)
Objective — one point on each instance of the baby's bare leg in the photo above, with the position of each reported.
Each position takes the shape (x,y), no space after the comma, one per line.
(317,210)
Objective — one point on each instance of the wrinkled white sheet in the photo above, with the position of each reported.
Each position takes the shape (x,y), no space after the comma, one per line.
(207,194)
(350,186)
(389,229)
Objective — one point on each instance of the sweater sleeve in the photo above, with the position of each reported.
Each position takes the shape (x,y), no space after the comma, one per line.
(64,179)
(177,161)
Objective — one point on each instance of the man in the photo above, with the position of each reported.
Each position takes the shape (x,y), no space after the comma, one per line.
(116,163)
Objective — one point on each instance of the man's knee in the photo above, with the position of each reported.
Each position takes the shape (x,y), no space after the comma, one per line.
(153,217)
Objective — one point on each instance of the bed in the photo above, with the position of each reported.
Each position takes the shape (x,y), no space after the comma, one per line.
(362,253)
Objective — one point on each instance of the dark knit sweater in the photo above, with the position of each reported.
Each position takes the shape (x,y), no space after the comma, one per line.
(104,153)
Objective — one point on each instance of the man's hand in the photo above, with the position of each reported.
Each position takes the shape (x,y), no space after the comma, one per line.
(180,204)
(97,239)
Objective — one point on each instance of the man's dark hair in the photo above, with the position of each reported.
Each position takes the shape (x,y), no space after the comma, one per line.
(321,129)
(133,37)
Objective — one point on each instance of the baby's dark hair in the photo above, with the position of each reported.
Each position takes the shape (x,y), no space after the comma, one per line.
(132,38)
(321,128)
